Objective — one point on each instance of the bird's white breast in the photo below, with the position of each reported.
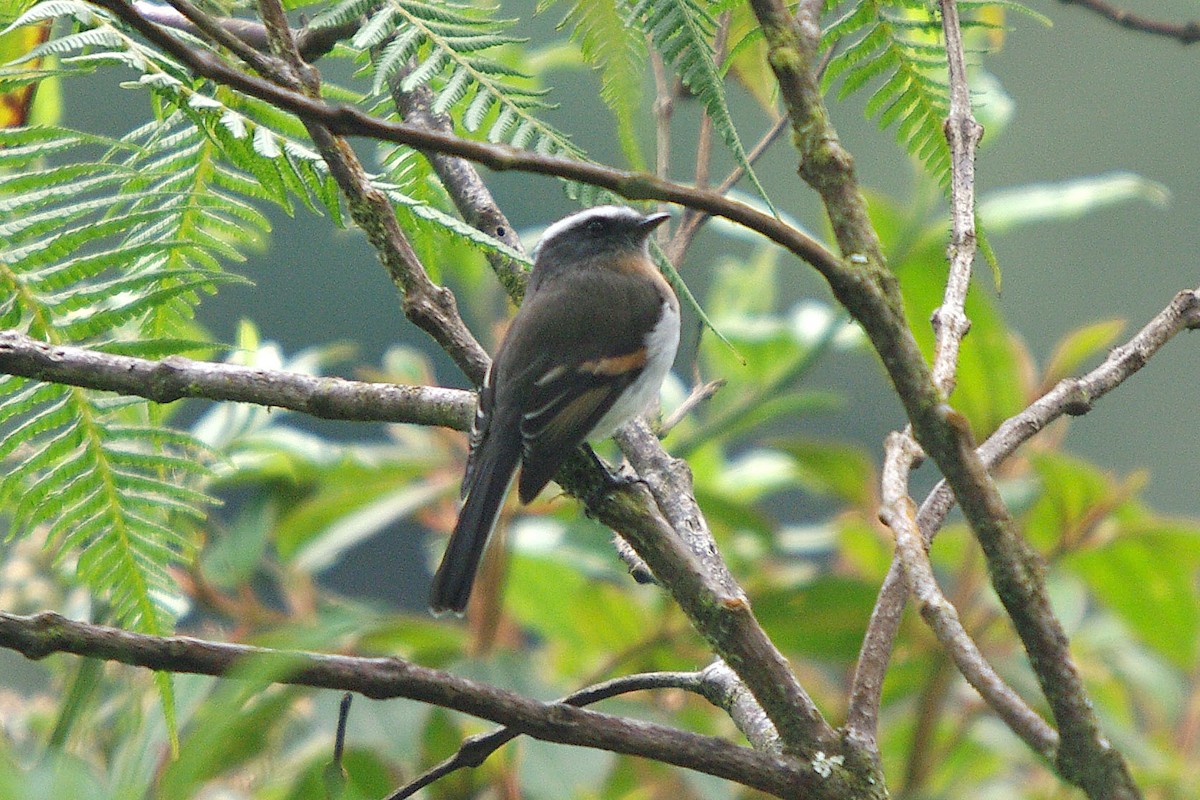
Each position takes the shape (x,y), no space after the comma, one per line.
(661,343)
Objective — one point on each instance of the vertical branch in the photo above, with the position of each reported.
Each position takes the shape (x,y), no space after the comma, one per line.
(950,326)
(963,134)
(870,292)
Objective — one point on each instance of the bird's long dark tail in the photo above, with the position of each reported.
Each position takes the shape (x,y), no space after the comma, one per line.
(454,577)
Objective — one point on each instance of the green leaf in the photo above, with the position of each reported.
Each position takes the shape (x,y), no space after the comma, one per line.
(1064,200)
(617,50)
(1079,346)
(842,470)
(1146,576)
(1073,492)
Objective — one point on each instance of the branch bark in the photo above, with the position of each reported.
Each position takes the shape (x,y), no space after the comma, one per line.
(43,634)
(176,377)
(870,292)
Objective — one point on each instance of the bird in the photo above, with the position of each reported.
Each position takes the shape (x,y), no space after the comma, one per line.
(586,352)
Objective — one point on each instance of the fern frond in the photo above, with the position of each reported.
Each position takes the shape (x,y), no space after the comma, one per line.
(894,46)
(682,31)
(443,46)
(616,49)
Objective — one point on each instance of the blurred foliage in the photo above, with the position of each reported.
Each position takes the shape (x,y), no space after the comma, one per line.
(795,515)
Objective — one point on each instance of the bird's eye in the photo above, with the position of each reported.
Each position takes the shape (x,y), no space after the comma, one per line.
(596,226)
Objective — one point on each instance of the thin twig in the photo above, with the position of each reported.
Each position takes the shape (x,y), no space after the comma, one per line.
(963,133)
(476,749)
(1185,33)
(260,62)
(699,395)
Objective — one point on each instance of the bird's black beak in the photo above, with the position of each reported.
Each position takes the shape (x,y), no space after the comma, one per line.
(652,221)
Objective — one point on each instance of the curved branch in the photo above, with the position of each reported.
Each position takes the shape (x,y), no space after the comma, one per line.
(42,634)
(176,377)
(476,749)
(1185,33)
(900,514)
(349,121)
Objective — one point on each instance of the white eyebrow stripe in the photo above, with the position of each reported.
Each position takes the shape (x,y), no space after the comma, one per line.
(579,217)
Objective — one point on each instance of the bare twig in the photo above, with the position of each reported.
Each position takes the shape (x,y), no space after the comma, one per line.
(1185,33)
(176,377)
(42,634)
(699,395)
(260,62)
(962,134)
(1073,396)
(476,749)
(950,326)
(471,196)
(900,514)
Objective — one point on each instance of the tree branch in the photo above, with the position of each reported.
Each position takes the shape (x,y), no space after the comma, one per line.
(1071,396)
(900,514)
(176,377)
(347,120)
(950,325)
(687,562)
(1185,33)
(870,292)
(40,635)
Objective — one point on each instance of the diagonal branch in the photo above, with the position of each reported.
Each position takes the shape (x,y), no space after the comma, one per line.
(1186,33)
(349,121)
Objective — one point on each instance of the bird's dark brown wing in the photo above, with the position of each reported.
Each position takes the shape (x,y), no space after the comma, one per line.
(563,408)
(558,374)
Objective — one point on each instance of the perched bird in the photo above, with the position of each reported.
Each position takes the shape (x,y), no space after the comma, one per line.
(587,351)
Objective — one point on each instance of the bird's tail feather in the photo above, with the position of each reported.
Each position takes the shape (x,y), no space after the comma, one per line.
(455,576)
